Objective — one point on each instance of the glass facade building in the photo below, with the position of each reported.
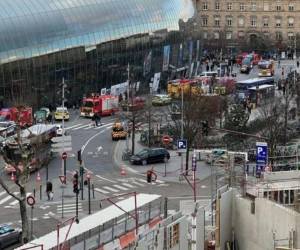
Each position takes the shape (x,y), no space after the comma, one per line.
(89,43)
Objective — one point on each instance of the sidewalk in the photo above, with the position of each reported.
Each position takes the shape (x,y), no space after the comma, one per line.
(169,172)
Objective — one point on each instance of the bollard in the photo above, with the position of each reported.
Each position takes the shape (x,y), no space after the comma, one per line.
(253,172)
(93,190)
(34,192)
(40,192)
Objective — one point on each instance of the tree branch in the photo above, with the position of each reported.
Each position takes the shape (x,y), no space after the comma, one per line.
(5,187)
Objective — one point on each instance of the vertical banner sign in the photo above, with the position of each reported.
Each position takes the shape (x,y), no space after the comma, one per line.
(166,57)
(197,68)
(180,55)
(190,51)
(191,70)
(147,63)
(261,157)
(197,50)
(156,80)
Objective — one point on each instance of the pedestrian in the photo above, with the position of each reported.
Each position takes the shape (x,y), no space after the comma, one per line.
(207,67)
(249,107)
(278,63)
(298,64)
(94,119)
(49,190)
(282,72)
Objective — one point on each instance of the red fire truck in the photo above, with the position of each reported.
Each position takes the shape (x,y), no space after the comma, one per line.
(22,116)
(100,104)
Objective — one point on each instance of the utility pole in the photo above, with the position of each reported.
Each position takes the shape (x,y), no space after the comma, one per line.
(127,123)
(64,169)
(181,132)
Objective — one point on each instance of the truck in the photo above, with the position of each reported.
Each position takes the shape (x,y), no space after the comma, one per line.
(103,105)
(118,131)
(21,116)
(36,142)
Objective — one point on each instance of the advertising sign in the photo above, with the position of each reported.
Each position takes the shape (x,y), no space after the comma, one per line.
(166,58)
(156,80)
(180,55)
(261,157)
(147,63)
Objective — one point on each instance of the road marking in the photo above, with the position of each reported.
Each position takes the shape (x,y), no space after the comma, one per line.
(160,182)
(101,191)
(74,126)
(105,179)
(110,189)
(16,201)
(70,211)
(69,205)
(142,180)
(90,126)
(2,193)
(88,141)
(8,198)
(120,187)
(139,184)
(81,126)
(128,185)
(163,185)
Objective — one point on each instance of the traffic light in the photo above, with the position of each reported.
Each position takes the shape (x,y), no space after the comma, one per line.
(75,183)
(79,156)
(205,128)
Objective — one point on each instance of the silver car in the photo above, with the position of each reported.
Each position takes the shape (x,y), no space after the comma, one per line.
(9,236)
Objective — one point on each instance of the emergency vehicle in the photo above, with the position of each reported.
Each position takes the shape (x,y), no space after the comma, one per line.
(22,116)
(101,104)
(266,68)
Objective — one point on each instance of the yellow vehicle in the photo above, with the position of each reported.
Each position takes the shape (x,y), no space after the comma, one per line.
(61,113)
(176,87)
(118,132)
(266,68)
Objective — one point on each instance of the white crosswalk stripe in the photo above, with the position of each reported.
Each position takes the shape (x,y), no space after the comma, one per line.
(99,190)
(120,187)
(110,189)
(69,208)
(138,184)
(7,198)
(83,126)
(128,185)
(16,201)
(2,193)
(73,126)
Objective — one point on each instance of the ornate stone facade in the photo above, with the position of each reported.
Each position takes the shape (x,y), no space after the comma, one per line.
(235,22)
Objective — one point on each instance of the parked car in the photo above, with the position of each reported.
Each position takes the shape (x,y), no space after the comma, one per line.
(9,236)
(161,99)
(61,113)
(47,110)
(151,155)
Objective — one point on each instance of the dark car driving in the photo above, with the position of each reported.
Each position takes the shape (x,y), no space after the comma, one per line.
(151,155)
(9,236)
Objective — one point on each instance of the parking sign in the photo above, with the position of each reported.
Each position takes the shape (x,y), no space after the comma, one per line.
(261,157)
(182,145)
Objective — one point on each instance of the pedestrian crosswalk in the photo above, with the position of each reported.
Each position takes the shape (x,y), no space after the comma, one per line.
(115,187)
(7,201)
(68,208)
(87,126)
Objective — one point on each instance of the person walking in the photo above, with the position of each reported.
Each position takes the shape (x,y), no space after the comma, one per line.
(49,190)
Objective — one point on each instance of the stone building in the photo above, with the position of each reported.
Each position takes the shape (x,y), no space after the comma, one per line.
(258,24)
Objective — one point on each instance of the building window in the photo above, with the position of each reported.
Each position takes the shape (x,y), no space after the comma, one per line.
(291,7)
(229,6)
(278,7)
(266,22)
(278,35)
(204,21)
(205,6)
(291,36)
(228,35)
(291,22)
(241,21)
(217,21)
(253,6)
(217,5)
(266,7)
(253,21)
(216,35)
(278,22)
(242,7)
(205,36)
(229,21)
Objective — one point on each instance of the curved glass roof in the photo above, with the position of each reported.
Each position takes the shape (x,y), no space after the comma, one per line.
(34,27)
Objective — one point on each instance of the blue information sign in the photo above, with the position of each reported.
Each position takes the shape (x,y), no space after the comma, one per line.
(261,157)
(182,144)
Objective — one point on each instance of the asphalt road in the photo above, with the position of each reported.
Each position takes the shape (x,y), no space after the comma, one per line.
(97,150)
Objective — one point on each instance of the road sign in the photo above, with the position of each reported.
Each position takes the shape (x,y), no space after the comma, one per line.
(261,157)
(64,155)
(61,150)
(62,144)
(62,139)
(182,145)
(62,179)
(30,200)
(166,139)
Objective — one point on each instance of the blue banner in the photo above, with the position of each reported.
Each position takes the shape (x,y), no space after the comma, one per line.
(261,157)
(166,57)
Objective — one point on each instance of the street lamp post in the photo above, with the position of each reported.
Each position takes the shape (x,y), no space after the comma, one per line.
(127,123)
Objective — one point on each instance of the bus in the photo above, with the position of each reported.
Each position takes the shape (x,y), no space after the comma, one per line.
(261,93)
(266,68)
(243,87)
